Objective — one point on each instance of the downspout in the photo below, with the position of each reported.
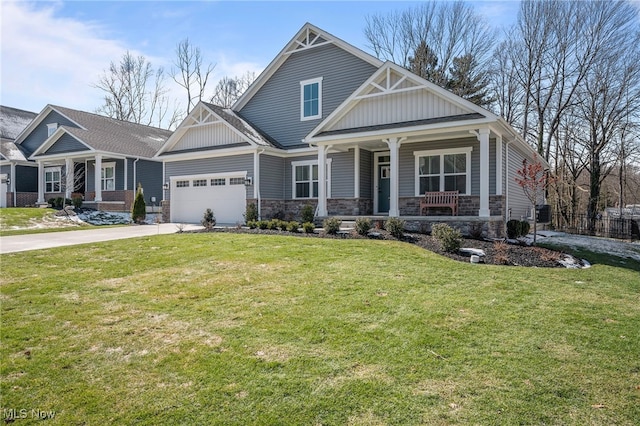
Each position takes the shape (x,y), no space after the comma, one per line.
(135,173)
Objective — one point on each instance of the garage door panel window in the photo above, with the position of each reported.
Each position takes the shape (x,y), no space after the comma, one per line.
(442,170)
(236,181)
(182,184)
(52,179)
(218,182)
(200,182)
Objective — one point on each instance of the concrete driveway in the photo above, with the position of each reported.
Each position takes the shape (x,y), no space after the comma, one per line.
(16,243)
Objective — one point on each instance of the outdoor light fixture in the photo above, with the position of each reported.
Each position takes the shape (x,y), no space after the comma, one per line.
(248,181)
(165,186)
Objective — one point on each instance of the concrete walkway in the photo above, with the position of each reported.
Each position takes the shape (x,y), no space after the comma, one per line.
(16,243)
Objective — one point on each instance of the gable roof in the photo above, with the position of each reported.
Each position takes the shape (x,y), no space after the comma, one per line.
(204,114)
(13,121)
(406,100)
(102,134)
(10,151)
(308,37)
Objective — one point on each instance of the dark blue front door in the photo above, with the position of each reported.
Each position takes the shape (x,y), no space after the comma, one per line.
(383,187)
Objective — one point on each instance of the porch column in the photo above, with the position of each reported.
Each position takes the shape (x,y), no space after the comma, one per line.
(483,137)
(322,181)
(126,177)
(69,177)
(13,183)
(356,172)
(40,182)
(499,165)
(394,147)
(97,177)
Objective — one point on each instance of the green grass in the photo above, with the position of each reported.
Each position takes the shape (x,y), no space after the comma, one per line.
(595,257)
(237,329)
(26,219)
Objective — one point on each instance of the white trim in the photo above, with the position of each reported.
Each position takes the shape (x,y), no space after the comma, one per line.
(303,83)
(499,165)
(294,164)
(238,174)
(55,137)
(52,169)
(441,153)
(356,171)
(39,119)
(108,165)
(51,129)
(483,137)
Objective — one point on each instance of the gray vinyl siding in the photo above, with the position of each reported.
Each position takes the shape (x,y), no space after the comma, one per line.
(66,143)
(366,174)
(272,177)
(39,134)
(407,163)
(275,108)
(149,174)
(288,178)
(6,170)
(342,174)
(237,163)
(90,174)
(517,201)
(26,179)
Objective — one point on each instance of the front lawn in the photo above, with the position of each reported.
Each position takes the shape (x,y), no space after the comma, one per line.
(243,329)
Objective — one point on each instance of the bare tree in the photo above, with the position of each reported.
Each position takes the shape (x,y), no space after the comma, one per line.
(133,91)
(190,73)
(229,89)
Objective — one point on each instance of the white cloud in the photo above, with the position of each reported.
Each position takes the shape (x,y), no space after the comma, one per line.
(50,59)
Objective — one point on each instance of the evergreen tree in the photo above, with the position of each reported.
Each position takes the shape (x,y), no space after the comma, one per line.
(466,81)
(139,210)
(424,63)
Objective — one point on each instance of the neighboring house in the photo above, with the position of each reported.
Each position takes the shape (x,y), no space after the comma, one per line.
(383,135)
(98,158)
(18,175)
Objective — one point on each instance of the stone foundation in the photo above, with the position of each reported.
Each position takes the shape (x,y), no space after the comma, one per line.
(492,227)
(349,206)
(468,205)
(166,211)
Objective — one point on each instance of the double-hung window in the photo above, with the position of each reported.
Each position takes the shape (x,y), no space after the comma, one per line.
(443,170)
(305,179)
(52,179)
(311,99)
(108,177)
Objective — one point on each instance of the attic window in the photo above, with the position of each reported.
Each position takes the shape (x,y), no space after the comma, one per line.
(311,99)
(51,128)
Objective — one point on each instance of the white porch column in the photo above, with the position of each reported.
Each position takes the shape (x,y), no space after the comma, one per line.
(356,172)
(40,182)
(394,181)
(126,177)
(483,137)
(69,177)
(97,173)
(13,183)
(499,165)
(322,181)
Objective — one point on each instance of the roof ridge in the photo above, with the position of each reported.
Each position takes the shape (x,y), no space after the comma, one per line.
(110,118)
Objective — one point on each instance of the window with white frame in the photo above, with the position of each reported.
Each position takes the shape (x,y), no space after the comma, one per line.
(108,177)
(443,170)
(51,128)
(311,99)
(305,179)
(52,177)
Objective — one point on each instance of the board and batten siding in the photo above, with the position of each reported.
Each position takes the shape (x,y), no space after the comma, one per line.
(40,133)
(275,108)
(66,143)
(217,134)
(397,108)
(272,177)
(229,164)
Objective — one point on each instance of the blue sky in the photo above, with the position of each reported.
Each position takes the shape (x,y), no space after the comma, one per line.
(53,51)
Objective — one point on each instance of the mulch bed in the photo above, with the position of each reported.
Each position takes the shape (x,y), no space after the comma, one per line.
(497,253)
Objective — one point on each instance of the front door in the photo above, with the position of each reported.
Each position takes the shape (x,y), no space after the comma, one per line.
(383,177)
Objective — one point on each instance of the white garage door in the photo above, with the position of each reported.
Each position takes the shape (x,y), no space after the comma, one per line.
(225,194)
(3,190)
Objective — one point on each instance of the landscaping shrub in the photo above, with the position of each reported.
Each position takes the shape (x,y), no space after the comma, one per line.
(77,202)
(139,209)
(252,224)
(308,227)
(208,220)
(449,238)
(273,224)
(278,215)
(293,226)
(363,225)
(475,231)
(251,213)
(332,225)
(524,228)
(395,227)
(283,225)
(263,224)
(307,213)
(517,228)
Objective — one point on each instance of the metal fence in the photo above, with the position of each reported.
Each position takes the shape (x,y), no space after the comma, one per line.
(601,226)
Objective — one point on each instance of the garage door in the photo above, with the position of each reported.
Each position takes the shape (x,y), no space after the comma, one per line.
(3,190)
(225,194)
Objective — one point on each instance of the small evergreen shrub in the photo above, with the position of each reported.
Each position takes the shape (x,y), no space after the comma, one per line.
(77,202)
(475,231)
(363,225)
(524,228)
(293,226)
(252,224)
(513,229)
(251,213)
(449,238)
(331,225)
(307,213)
(395,226)
(308,227)
(283,225)
(208,220)
(52,202)
(139,209)
(263,224)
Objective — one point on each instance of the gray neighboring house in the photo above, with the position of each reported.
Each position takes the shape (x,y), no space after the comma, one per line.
(18,175)
(101,159)
(382,136)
